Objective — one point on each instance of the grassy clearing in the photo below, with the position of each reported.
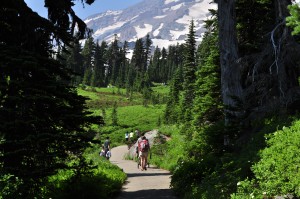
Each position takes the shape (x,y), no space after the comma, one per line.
(131,113)
(102,98)
(130,118)
(161,89)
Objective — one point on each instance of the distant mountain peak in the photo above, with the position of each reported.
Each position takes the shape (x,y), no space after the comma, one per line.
(166,21)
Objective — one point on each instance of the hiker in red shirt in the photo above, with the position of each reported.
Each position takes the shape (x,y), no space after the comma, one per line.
(143,152)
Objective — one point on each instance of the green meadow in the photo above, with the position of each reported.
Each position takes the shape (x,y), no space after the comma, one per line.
(131,113)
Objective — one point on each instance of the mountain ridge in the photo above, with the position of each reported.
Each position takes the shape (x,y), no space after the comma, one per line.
(166,21)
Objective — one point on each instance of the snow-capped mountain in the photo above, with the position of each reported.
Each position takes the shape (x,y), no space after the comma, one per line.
(166,21)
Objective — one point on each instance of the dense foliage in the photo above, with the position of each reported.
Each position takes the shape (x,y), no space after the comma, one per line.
(276,173)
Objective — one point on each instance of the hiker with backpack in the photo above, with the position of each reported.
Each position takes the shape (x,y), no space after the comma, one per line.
(144,147)
(106,145)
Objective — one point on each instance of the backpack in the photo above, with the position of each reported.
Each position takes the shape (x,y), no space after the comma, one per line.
(106,143)
(144,145)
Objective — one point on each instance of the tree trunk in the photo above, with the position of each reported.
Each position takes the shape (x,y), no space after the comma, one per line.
(230,69)
(272,77)
(262,83)
(285,47)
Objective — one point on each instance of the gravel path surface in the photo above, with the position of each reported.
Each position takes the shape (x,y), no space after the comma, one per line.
(154,183)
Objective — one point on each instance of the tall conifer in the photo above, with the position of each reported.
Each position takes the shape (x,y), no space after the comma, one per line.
(43,119)
(189,74)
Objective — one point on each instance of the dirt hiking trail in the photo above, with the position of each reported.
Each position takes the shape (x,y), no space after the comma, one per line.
(154,183)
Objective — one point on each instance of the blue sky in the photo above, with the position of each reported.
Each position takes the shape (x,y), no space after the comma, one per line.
(97,7)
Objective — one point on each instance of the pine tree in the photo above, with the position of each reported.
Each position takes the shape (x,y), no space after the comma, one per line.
(189,75)
(208,101)
(88,53)
(114,61)
(173,104)
(98,77)
(154,66)
(138,58)
(124,65)
(147,54)
(43,119)
(72,58)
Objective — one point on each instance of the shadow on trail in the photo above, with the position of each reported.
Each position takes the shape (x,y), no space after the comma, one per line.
(147,194)
(146,174)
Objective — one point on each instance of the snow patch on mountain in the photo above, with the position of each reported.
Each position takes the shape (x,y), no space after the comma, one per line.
(101,31)
(156,32)
(159,17)
(176,33)
(170,1)
(143,31)
(176,7)
(109,12)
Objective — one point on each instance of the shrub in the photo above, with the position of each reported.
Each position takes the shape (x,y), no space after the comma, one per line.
(277,172)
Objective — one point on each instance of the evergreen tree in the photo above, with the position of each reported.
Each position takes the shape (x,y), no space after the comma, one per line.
(154,66)
(88,53)
(138,60)
(98,77)
(147,54)
(114,59)
(171,62)
(72,58)
(42,116)
(208,101)
(173,104)
(124,65)
(189,75)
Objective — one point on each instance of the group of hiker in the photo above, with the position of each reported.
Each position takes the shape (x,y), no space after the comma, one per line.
(142,148)
(105,151)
